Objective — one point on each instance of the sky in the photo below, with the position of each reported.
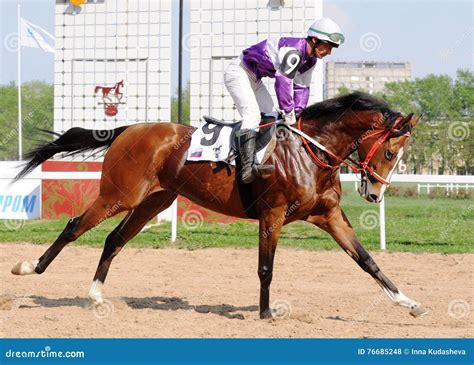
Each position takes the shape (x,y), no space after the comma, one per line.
(434,36)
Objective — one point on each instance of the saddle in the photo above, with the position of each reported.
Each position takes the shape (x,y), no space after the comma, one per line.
(264,135)
(219,135)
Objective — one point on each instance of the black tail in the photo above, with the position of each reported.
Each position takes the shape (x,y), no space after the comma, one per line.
(74,141)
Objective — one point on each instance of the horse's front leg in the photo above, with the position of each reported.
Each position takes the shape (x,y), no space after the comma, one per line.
(337,225)
(270,225)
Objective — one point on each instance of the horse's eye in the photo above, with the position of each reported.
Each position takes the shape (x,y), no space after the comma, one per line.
(389,155)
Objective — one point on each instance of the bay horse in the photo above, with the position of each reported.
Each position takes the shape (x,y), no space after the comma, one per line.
(145,169)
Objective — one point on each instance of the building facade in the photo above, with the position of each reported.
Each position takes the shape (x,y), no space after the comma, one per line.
(102,43)
(364,75)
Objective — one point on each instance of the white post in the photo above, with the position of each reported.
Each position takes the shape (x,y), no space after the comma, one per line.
(382,223)
(20,152)
(174,220)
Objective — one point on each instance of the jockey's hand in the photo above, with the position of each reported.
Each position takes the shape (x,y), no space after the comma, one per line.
(289,118)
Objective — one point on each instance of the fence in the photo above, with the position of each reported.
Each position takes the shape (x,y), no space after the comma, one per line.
(9,169)
(450,188)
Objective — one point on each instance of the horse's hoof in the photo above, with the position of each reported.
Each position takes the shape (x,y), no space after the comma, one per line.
(266,315)
(24,268)
(96,300)
(419,311)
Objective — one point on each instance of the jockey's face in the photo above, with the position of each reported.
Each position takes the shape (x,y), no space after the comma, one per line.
(322,50)
(319,49)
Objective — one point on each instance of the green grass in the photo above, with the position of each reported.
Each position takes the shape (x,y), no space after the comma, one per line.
(416,224)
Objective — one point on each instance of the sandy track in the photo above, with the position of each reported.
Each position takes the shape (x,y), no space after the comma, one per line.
(214,293)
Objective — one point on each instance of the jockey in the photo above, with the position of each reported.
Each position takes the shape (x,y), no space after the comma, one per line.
(291,62)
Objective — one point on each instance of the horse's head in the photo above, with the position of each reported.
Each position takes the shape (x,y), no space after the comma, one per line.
(378,134)
(380,151)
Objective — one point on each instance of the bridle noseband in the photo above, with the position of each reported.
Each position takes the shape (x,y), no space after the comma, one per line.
(355,166)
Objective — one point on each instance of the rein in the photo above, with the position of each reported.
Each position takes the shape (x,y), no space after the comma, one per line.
(355,166)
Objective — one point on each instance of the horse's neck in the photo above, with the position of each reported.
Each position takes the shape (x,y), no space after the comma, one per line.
(338,136)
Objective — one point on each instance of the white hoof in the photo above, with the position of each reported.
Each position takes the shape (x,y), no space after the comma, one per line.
(24,268)
(95,293)
(419,311)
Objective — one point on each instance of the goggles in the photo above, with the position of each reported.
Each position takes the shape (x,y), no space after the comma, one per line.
(334,37)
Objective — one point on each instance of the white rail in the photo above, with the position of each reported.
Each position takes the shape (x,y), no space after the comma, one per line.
(9,169)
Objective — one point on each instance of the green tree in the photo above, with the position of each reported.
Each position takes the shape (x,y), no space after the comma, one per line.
(441,141)
(464,93)
(37,112)
(186,105)
(343,90)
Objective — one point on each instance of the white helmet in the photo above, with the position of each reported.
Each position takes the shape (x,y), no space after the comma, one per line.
(326,29)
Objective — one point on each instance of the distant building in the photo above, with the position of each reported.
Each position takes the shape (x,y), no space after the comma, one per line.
(364,75)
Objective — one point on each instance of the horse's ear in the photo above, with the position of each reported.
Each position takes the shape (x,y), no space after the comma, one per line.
(414,121)
(406,120)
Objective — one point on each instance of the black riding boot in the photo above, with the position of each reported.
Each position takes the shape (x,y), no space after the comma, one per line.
(246,140)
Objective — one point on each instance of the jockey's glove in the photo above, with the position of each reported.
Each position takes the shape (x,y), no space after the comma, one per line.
(289,118)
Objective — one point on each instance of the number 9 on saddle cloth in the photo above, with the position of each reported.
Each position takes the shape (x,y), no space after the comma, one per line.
(216,140)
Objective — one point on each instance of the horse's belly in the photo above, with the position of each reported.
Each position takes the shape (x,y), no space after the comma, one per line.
(213,189)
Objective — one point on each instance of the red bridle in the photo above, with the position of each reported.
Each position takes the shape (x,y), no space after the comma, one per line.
(360,166)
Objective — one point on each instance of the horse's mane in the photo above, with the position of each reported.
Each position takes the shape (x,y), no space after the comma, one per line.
(355,101)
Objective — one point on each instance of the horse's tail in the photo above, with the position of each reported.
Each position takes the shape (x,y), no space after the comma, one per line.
(73,141)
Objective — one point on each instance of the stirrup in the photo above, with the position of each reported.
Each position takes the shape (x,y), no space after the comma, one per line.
(263,171)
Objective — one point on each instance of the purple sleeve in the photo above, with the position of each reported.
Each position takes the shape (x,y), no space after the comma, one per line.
(284,92)
(302,84)
(300,97)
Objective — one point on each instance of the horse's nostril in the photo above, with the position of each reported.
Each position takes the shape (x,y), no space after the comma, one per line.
(373,197)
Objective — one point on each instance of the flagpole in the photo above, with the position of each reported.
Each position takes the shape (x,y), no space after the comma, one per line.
(20,157)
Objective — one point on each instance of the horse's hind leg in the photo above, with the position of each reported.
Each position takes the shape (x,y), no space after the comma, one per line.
(97,213)
(130,226)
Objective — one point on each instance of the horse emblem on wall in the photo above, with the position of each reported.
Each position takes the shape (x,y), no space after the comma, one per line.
(111,98)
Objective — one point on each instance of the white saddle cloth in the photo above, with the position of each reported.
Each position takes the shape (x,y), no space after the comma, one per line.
(211,142)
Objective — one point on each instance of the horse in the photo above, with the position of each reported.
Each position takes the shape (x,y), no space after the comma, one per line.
(145,169)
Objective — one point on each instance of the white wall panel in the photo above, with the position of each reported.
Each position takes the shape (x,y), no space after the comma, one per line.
(104,44)
(220,30)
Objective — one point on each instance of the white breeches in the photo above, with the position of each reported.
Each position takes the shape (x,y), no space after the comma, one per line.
(250,95)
